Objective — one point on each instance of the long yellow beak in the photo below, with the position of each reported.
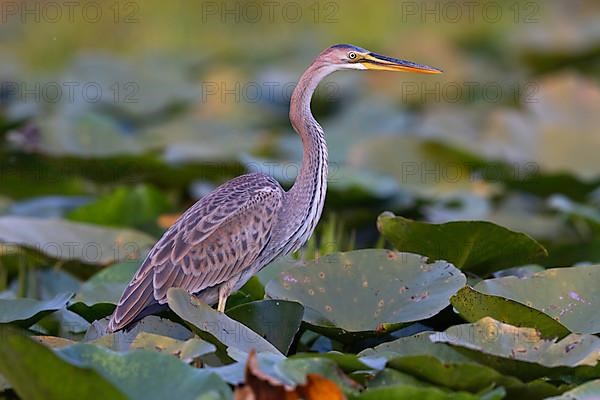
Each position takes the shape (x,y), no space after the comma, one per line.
(384,63)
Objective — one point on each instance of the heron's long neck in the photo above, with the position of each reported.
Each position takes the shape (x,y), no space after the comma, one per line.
(307,195)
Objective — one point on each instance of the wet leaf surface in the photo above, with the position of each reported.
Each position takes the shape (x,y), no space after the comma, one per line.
(522,351)
(25,312)
(568,295)
(387,288)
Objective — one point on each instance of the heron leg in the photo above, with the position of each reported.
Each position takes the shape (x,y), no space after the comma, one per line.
(224,292)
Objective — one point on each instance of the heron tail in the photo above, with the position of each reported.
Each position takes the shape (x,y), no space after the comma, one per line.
(135,299)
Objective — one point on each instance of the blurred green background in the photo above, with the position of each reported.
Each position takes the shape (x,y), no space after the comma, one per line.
(122,114)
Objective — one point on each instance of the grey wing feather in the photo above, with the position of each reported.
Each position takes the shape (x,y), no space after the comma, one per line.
(213,241)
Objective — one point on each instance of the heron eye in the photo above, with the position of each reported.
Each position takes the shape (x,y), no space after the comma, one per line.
(352,55)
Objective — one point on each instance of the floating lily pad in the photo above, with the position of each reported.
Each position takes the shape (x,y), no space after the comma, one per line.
(273,269)
(69,241)
(587,391)
(475,246)
(409,392)
(47,206)
(390,377)
(569,295)
(437,363)
(143,374)
(22,357)
(222,328)
(52,282)
(523,352)
(187,350)
(277,321)
(117,273)
(441,364)
(473,305)
(123,340)
(387,289)
(25,312)
(98,296)
(136,207)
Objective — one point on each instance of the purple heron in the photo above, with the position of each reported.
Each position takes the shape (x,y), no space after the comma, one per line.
(244,224)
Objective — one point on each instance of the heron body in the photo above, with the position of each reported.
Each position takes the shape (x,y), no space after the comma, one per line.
(244,224)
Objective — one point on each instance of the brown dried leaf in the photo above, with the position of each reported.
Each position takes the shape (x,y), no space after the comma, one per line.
(260,386)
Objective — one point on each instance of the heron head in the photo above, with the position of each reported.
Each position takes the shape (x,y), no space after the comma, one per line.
(347,56)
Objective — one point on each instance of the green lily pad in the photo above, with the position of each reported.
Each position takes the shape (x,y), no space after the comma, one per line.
(69,241)
(437,363)
(444,365)
(21,358)
(117,273)
(98,296)
(522,352)
(474,305)
(587,391)
(386,289)
(417,345)
(409,392)
(137,207)
(225,330)
(187,350)
(391,377)
(25,312)
(126,339)
(569,295)
(144,374)
(277,321)
(107,296)
(479,247)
